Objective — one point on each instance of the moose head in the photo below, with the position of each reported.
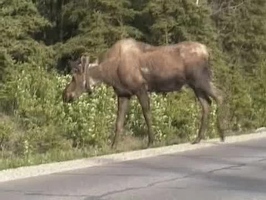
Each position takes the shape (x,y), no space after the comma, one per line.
(81,81)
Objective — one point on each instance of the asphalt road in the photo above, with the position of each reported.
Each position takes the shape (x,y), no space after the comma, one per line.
(226,171)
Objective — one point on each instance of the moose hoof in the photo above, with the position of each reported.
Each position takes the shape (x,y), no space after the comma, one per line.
(196,141)
(150,142)
(114,145)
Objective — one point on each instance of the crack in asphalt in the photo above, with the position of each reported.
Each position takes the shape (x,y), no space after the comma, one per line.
(196,174)
(191,174)
(58,195)
(99,197)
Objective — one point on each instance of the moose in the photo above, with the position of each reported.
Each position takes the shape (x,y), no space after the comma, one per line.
(132,67)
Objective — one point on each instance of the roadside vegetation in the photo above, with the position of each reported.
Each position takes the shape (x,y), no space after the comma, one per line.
(38,37)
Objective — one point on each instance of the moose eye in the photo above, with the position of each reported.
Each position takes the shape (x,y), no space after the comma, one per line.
(75,70)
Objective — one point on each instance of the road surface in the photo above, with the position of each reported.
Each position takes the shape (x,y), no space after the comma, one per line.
(226,171)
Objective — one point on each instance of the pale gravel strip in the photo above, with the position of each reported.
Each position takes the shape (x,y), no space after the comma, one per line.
(45,169)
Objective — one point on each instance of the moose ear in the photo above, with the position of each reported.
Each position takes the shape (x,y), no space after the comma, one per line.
(85,60)
(95,63)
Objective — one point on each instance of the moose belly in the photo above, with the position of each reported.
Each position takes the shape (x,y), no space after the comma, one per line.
(163,86)
(163,79)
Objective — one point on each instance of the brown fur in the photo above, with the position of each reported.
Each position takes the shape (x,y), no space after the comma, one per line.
(135,68)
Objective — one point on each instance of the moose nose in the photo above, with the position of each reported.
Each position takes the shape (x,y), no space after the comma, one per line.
(65,98)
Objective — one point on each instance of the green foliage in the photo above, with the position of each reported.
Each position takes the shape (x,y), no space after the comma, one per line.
(6,130)
(19,23)
(242,33)
(89,122)
(38,37)
(175,21)
(108,20)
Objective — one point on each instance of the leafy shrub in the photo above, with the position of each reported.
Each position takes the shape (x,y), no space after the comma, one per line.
(6,130)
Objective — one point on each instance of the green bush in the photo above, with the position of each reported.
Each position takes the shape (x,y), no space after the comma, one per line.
(6,130)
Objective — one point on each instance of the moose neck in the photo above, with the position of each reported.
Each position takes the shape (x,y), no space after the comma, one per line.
(105,73)
(95,75)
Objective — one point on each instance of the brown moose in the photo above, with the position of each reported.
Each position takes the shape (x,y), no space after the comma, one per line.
(136,68)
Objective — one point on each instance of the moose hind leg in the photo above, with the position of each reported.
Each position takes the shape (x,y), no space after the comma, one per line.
(144,101)
(214,93)
(205,102)
(123,103)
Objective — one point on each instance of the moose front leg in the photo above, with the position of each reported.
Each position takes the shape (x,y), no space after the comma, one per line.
(144,101)
(122,104)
